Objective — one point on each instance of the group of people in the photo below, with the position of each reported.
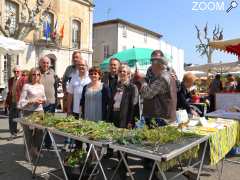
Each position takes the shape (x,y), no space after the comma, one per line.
(217,86)
(118,96)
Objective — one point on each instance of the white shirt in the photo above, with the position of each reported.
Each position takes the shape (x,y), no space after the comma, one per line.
(75,88)
(29,93)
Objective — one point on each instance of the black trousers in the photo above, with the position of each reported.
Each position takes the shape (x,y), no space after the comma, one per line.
(212,103)
(49,109)
(13,113)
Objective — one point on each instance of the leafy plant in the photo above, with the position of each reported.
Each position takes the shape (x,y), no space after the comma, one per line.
(76,158)
(108,132)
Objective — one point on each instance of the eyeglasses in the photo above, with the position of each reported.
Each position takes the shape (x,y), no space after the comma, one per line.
(36,74)
(93,73)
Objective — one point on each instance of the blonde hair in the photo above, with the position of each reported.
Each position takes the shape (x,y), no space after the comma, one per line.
(189,77)
(123,65)
(31,74)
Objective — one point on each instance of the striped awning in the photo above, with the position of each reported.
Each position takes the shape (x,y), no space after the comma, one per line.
(230,46)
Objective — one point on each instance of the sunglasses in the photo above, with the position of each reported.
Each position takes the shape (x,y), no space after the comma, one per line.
(16,71)
(36,74)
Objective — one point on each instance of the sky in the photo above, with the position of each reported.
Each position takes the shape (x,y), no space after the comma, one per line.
(175,20)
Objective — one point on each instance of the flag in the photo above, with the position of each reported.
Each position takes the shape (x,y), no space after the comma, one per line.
(56,25)
(47,29)
(61,32)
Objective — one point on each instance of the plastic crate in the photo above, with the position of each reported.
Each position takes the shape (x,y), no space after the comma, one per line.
(235,151)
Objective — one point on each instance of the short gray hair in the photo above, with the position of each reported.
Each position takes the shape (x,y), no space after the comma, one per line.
(17,67)
(42,58)
(124,65)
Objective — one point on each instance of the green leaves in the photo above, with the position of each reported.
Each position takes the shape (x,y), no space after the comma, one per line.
(108,132)
(76,158)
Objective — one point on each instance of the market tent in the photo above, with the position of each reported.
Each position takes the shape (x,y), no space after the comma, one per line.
(216,67)
(141,56)
(11,46)
(229,46)
(198,73)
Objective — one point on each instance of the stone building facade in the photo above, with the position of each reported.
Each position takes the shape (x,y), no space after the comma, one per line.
(71,18)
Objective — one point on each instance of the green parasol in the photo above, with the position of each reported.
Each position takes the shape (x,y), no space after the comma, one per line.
(131,57)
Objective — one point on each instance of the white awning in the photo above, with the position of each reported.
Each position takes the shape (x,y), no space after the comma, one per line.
(11,46)
(216,67)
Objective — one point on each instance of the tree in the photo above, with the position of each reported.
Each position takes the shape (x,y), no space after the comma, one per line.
(30,19)
(203,47)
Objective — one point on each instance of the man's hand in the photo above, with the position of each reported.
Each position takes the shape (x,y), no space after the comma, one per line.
(129,126)
(137,76)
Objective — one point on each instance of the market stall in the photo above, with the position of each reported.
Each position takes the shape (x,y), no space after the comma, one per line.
(11,46)
(8,46)
(164,147)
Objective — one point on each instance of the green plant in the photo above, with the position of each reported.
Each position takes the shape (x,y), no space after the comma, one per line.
(75,158)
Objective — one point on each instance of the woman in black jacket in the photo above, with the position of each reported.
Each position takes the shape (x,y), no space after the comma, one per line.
(95,98)
(184,95)
(123,100)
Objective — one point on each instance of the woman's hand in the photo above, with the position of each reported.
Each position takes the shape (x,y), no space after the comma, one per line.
(194,113)
(37,101)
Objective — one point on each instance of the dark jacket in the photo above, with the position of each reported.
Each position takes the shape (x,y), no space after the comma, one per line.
(127,106)
(110,81)
(184,99)
(19,86)
(160,96)
(105,102)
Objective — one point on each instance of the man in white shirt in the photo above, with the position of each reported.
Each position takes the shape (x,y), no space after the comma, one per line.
(75,87)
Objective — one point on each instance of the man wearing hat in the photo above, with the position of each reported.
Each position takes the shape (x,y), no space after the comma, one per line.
(159,92)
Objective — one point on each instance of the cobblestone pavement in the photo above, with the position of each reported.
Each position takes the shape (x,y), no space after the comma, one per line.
(13,164)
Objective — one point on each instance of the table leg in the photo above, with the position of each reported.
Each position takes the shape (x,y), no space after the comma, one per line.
(85,163)
(221,171)
(26,146)
(115,171)
(152,171)
(58,155)
(98,163)
(38,156)
(161,171)
(126,165)
(202,160)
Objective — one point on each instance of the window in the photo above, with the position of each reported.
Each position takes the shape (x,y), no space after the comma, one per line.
(124,48)
(106,51)
(5,71)
(11,16)
(17,61)
(48,18)
(124,31)
(145,37)
(76,34)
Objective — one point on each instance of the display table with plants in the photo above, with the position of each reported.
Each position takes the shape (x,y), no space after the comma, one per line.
(161,144)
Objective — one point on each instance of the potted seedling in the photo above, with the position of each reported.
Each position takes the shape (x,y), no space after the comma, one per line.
(74,163)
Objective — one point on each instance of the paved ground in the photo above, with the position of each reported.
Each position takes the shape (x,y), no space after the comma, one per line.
(13,165)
